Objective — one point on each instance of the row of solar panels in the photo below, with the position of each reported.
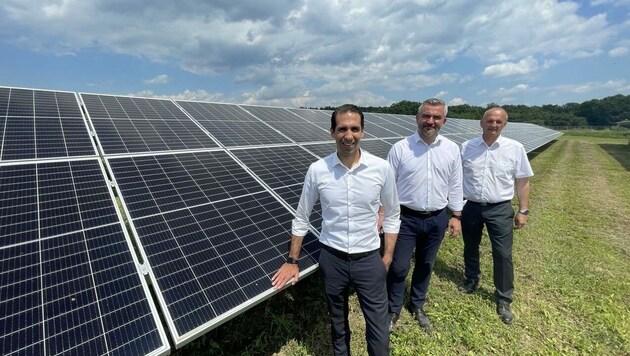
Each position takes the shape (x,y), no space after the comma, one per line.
(209,191)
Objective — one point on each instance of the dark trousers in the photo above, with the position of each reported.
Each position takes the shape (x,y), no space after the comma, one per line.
(425,233)
(367,277)
(498,219)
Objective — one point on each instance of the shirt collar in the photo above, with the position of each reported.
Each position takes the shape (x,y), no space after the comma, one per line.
(417,139)
(498,142)
(362,160)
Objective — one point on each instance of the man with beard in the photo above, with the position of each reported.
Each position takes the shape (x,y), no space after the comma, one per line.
(351,184)
(428,174)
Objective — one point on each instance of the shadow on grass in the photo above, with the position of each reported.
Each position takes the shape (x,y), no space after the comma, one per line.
(619,152)
(296,316)
(456,275)
(531,155)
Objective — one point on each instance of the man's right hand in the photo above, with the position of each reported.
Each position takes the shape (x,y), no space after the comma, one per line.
(284,274)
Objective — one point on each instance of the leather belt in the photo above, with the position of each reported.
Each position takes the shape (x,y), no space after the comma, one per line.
(489,204)
(347,256)
(421,214)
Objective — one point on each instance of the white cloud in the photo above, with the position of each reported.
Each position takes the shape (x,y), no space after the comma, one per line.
(315,51)
(513,90)
(618,52)
(524,66)
(610,2)
(456,101)
(160,79)
(197,95)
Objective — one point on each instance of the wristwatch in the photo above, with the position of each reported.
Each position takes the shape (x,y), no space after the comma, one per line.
(524,212)
(292,260)
(458,217)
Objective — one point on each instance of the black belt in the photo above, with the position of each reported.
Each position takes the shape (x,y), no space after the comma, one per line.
(347,256)
(489,204)
(421,214)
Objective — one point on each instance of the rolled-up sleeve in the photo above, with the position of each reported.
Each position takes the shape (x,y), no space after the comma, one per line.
(390,203)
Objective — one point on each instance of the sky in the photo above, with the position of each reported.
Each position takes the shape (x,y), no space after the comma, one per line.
(315,53)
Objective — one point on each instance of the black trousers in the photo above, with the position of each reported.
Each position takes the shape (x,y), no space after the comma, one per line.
(425,234)
(367,276)
(498,219)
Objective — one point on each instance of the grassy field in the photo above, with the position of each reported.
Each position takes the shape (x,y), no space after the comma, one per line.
(572,277)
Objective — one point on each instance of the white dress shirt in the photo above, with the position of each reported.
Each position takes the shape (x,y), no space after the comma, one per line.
(489,172)
(350,200)
(428,177)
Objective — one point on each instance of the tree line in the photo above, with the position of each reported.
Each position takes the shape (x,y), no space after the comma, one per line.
(596,112)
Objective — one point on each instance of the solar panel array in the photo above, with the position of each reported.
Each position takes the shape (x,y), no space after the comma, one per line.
(209,190)
(69,280)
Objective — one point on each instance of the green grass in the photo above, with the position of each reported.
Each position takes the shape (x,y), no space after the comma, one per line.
(572,277)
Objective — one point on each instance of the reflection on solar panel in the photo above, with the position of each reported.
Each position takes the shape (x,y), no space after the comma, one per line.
(231,125)
(132,125)
(38,124)
(69,283)
(212,234)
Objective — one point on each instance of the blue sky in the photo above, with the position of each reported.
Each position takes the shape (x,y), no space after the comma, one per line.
(321,52)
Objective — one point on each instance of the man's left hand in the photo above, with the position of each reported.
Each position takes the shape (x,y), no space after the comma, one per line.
(520,220)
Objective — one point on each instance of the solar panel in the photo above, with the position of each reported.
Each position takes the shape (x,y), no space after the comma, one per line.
(40,124)
(290,124)
(134,125)
(321,149)
(68,280)
(231,125)
(378,148)
(383,126)
(212,234)
(283,169)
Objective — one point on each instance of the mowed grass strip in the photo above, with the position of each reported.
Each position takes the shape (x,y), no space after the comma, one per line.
(572,278)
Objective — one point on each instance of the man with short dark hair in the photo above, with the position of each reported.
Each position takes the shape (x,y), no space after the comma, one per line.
(428,174)
(351,184)
(494,168)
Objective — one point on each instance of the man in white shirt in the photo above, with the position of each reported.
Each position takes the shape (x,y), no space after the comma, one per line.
(494,167)
(428,174)
(351,184)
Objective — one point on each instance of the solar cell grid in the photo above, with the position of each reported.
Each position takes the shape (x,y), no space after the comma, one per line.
(313,115)
(211,253)
(68,280)
(232,133)
(277,166)
(161,183)
(20,103)
(301,132)
(135,125)
(283,169)
(288,123)
(322,149)
(376,147)
(40,124)
(266,113)
(215,112)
